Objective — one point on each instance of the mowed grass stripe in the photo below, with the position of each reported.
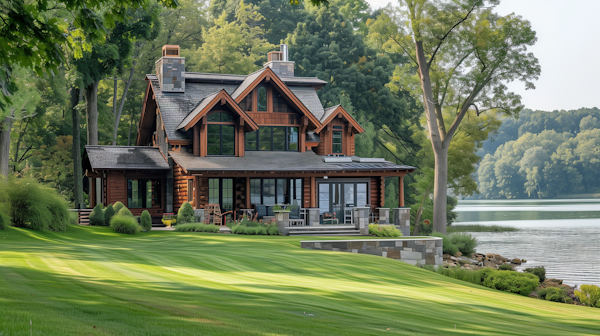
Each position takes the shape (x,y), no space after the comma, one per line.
(170,283)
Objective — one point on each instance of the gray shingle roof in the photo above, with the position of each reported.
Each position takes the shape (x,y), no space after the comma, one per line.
(191,77)
(308,96)
(276,161)
(249,80)
(174,107)
(201,105)
(328,111)
(125,157)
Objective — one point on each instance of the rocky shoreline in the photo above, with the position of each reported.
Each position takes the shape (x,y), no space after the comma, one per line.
(491,260)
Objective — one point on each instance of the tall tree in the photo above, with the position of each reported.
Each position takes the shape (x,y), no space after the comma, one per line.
(104,58)
(463,55)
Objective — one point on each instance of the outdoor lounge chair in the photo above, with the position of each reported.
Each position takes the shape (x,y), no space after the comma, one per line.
(261,211)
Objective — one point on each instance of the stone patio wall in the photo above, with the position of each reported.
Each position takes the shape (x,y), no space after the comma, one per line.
(426,251)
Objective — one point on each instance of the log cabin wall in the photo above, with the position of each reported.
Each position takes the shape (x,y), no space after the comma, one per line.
(240,193)
(180,184)
(376,192)
(115,185)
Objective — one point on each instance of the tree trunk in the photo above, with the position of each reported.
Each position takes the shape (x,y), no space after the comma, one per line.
(91,99)
(5,128)
(440,190)
(115,87)
(437,142)
(122,104)
(77,169)
(129,134)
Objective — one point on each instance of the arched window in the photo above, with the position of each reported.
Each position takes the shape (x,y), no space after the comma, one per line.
(262,98)
(220,134)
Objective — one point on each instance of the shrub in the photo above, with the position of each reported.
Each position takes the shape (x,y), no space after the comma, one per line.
(109,212)
(97,215)
(505,267)
(35,206)
(146,221)
(540,272)
(124,224)
(118,206)
(125,212)
(254,228)
(185,214)
(552,294)
(472,276)
(449,247)
(464,242)
(3,221)
(197,227)
(384,230)
(589,295)
(514,282)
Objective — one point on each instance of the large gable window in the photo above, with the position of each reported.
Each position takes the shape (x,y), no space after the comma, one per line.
(273,138)
(262,99)
(220,134)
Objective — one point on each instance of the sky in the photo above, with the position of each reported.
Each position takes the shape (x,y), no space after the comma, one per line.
(568,49)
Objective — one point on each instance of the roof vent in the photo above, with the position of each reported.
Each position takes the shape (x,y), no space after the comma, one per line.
(170,70)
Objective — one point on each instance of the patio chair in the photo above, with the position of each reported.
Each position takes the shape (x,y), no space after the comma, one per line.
(261,211)
(295,219)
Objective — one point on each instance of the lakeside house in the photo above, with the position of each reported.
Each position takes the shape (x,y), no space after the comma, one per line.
(239,141)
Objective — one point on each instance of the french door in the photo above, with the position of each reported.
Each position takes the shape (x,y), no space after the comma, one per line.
(220,191)
(335,196)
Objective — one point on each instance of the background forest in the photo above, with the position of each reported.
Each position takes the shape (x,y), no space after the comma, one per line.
(102,86)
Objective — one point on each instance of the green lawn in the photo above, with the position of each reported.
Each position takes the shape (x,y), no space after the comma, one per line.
(91,281)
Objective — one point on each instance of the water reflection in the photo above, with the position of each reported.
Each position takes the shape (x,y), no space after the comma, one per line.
(562,235)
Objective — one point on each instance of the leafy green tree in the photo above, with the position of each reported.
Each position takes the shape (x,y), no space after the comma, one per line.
(236,47)
(112,55)
(463,55)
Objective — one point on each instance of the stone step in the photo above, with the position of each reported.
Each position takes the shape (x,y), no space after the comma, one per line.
(323,227)
(324,232)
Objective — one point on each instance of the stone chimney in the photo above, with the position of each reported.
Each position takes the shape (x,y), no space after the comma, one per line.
(279,62)
(170,70)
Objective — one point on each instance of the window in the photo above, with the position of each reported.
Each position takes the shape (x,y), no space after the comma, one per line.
(276,191)
(269,138)
(143,193)
(221,139)
(333,196)
(337,140)
(220,117)
(220,191)
(262,98)
(190,190)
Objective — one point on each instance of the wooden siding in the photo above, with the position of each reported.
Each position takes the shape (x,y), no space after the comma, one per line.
(275,118)
(375,192)
(180,186)
(115,186)
(239,193)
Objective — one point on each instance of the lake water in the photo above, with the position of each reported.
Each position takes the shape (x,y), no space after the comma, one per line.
(561,235)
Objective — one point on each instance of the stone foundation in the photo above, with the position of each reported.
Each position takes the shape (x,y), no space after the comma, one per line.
(426,251)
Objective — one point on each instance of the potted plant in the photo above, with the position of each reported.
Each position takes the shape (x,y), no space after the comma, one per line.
(169,219)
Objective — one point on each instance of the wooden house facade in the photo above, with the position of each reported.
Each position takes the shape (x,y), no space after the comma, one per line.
(238,141)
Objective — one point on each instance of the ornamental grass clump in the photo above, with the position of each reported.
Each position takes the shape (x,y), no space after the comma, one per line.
(384,230)
(197,227)
(449,247)
(35,206)
(109,212)
(146,221)
(124,222)
(464,242)
(185,214)
(97,216)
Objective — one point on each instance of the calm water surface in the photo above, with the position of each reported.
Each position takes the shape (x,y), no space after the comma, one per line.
(562,235)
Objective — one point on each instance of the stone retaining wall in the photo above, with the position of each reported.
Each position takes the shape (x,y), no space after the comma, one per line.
(426,251)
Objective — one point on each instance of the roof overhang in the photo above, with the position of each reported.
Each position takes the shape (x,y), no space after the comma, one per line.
(222,98)
(340,112)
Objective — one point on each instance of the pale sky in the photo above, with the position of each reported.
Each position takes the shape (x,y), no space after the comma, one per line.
(568,49)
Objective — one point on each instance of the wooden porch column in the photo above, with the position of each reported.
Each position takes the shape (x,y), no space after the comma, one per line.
(196,140)
(248,205)
(313,192)
(302,134)
(92,184)
(401,191)
(203,137)
(381,191)
(197,184)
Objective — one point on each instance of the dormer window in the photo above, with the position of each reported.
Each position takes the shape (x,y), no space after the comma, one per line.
(337,140)
(220,134)
(262,99)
